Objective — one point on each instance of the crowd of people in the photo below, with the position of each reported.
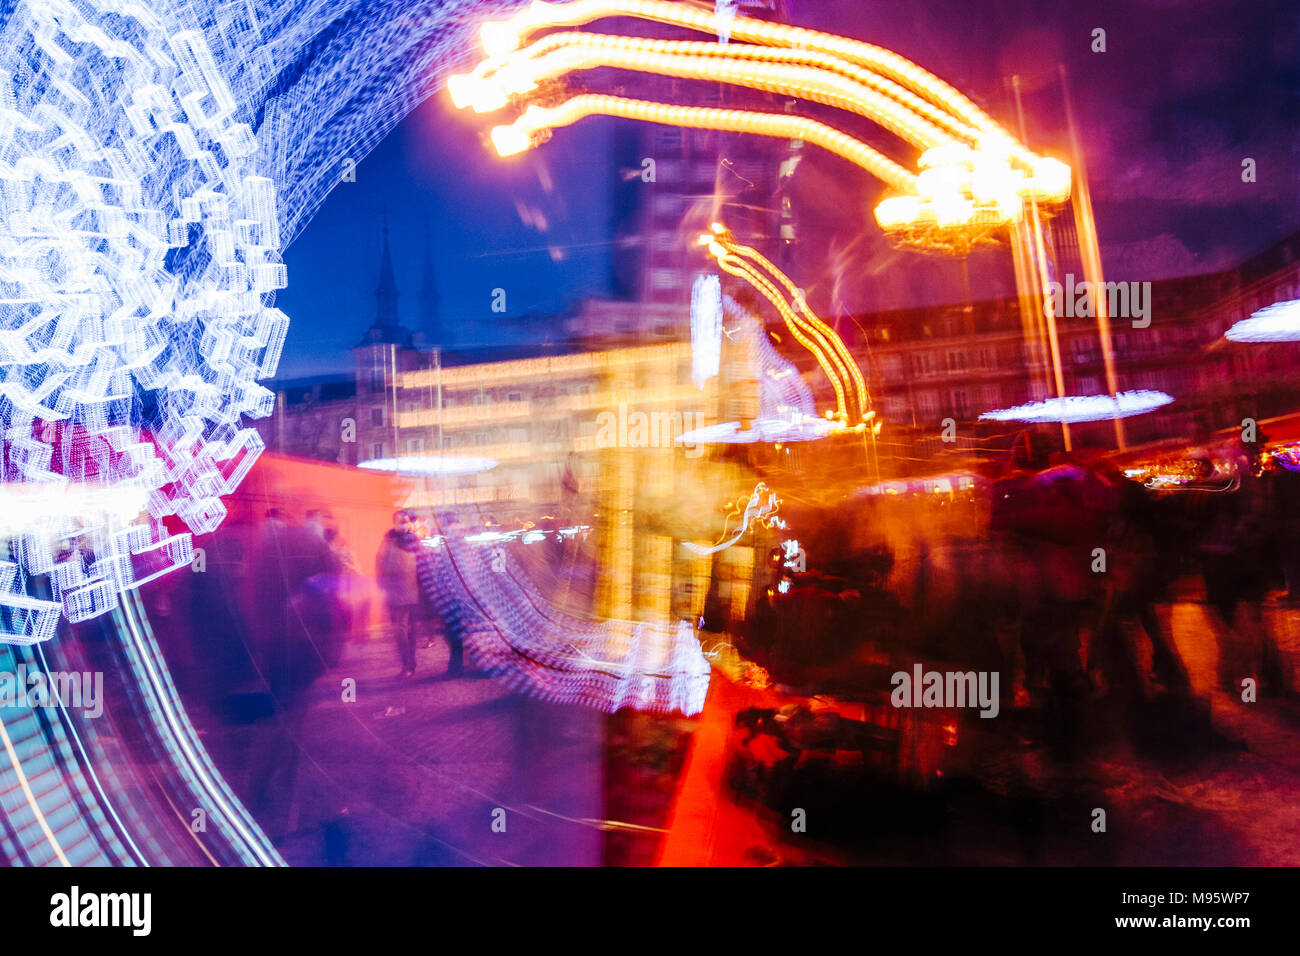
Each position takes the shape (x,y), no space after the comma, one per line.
(1056,572)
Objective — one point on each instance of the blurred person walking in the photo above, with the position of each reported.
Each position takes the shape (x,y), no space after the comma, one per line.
(444,606)
(395,572)
(290,660)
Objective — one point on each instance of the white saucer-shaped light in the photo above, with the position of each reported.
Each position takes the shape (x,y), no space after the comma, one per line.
(1082,408)
(760,430)
(1279,322)
(431,465)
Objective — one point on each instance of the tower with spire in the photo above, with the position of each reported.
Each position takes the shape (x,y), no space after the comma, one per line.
(386,350)
(387,329)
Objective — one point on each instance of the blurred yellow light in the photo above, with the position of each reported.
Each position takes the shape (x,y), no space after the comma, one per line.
(461,88)
(498,37)
(510,140)
(973,175)
(896,211)
(1052,180)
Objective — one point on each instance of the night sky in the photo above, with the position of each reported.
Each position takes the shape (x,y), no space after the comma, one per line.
(1184,92)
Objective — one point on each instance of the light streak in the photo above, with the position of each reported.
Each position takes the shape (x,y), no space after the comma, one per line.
(706,329)
(536,121)
(522,75)
(808,330)
(761,508)
(794,557)
(187,753)
(795,428)
(512,631)
(492,82)
(1082,408)
(850,376)
(500,38)
(431,465)
(736,266)
(30,796)
(99,210)
(975,177)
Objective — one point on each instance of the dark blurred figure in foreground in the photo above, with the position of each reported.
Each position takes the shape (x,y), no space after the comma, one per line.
(291,627)
(441,602)
(1235,562)
(1139,576)
(395,572)
(1286,499)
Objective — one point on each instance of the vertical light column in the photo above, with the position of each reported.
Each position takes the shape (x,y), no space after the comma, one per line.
(1085,227)
(1038,255)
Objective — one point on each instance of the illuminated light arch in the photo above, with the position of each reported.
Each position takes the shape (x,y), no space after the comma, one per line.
(537,120)
(489,86)
(822,86)
(501,38)
(974,177)
(829,349)
(736,266)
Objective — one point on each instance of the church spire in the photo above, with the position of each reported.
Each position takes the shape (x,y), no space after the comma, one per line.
(387,327)
(386,292)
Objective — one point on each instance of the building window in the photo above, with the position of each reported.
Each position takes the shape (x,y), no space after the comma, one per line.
(377,450)
(666,279)
(668,204)
(515,397)
(666,242)
(377,417)
(668,171)
(922,363)
(414,446)
(668,139)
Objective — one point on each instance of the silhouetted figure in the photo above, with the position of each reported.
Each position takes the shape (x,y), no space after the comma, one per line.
(290,660)
(395,571)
